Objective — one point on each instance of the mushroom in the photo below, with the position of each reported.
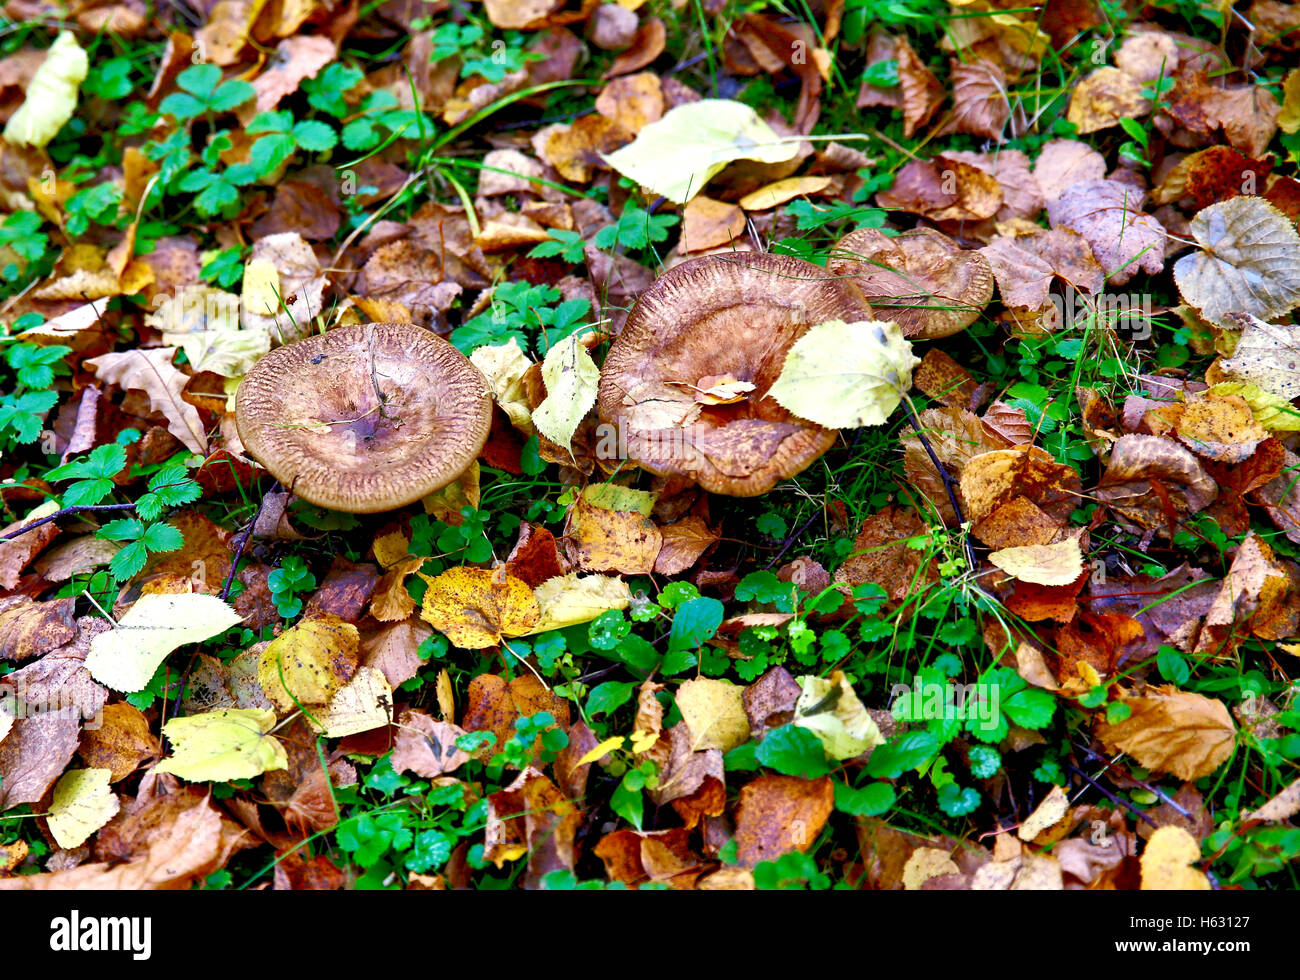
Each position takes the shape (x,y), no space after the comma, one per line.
(364,418)
(721,322)
(934,287)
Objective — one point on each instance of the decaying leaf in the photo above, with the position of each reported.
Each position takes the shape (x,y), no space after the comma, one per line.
(223,745)
(1173,731)
(475,607)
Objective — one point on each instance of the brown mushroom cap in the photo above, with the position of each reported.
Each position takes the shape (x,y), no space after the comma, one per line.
(721,316)
(365,418)
(934,287)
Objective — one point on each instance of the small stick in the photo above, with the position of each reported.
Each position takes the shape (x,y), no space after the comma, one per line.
(66,512)
(1119,801)
(242,543)
(1173,804)
(948,485)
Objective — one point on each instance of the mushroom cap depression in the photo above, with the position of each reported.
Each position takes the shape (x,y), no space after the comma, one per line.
(364,418)
(732,316)
(934,287)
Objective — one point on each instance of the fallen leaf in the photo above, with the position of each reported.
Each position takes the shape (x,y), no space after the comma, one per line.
(475,607)
(715,712)
(223,745)
(779,814)
(843,726)
(567,600)
(571,378)
(152,372)
(126,657)
(308,664)
(1186,734)
(1168,859)
(83,802)
(1042,564)
(844,375)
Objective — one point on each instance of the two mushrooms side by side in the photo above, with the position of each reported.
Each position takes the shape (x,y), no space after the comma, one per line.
(374,417)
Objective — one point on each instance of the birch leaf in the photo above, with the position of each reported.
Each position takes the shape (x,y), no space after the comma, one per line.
(843,375)
(571,378)
(51,94)
(222,745)
(126,657)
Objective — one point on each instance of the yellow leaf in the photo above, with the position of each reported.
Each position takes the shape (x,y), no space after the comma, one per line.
(681,152)
(778,193)
(1047,815)
(1265,355)
(715,713)
(1042,564)
(1289,119)
(83,802)
(223,745)
(843,375)
(611,496)
(1274,413)
(1167,860)
(643,740)
(844,727)
(601,750)
(391,548)
(571,378)
(446,698)
(125,658)
(315,659)
(1173,731)
(364,703)
(504,366)
(475,607)
(570,599)
(446,504)
(51,94)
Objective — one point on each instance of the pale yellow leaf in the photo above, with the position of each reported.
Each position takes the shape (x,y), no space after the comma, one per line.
(1167,862)
(51,96)
(364,703)
(843,375)
(1042,564)
(83,802)
(504,366)
(570,599)
(222,745)
(125,658)
(571,378)
(844,727)
(714,711)
(680,153)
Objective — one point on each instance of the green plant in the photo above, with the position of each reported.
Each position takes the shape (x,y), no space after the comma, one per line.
(205,94)
(535,316)
(287,583)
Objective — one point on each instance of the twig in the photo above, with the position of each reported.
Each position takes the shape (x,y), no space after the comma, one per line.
(66,512)
(1118,800)
(1173,804)
(242,543)
(949,485)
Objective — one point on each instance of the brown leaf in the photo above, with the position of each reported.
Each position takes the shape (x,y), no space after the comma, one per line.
(881,555)
(18,551)
(120,743)
(427,747)
(777,814)
(33,755)
(29,628)
(770,700)
(956,436)
(1104,97)
(943,189)
(1173,731)
(994,478)
(1025,264)
(1108,215)
(612,541)
(152,372)
(979,100)
(1136,462)
(1063,163)
(492,704)
(707,224)
(683,544)
(632,101)
(392,650)
(180,852)
(535,556)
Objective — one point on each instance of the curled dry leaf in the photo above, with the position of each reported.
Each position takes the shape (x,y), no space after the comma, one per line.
(943,189)
(921,280)
(980,104)
(1138,461)
(1026,264)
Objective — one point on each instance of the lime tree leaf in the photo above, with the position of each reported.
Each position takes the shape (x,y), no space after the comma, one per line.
(571,378)
(843,375)
(793,751)
(125,658)
(1249,261)
(51,94)
(680,153)
(223,745)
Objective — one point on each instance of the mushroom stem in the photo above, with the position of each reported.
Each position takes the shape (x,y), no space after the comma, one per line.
(948,485)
